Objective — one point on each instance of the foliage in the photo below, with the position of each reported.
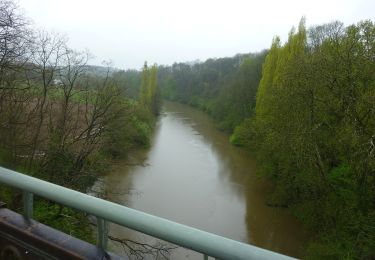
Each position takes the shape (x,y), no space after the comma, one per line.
(241,133)
(67,220)
(314,133)
(60,119)
(150,97)
(225,87)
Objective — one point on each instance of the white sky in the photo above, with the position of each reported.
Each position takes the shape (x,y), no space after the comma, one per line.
(167,31)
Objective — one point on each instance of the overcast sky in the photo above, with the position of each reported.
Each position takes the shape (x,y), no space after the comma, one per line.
(167,31)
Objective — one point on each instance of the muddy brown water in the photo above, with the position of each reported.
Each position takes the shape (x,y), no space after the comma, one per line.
(192,175)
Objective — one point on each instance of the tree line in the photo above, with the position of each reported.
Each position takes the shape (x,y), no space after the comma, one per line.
(306,109)
(223,87)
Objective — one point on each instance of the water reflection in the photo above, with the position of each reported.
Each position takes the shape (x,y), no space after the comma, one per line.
(195,177)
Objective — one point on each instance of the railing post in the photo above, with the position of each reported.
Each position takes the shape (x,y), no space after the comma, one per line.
(28,201)
(205,257)
(102,238)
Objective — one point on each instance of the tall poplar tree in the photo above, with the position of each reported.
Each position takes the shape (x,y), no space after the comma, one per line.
(143,96)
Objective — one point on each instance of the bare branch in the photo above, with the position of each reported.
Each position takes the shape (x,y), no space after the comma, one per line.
(139,250)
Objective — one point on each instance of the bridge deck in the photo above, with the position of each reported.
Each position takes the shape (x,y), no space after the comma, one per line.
(22,238)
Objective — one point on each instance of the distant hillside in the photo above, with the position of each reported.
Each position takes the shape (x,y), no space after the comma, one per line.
(101,70)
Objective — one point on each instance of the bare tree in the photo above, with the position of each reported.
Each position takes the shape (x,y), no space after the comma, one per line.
(74,66)
(46,56)
(101,106)
(15,39)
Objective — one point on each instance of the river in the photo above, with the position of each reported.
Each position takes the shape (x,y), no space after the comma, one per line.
(192,175)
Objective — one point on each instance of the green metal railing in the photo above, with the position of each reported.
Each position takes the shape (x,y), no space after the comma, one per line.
(200,241)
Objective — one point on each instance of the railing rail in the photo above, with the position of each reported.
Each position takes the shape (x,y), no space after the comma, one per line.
(206,243)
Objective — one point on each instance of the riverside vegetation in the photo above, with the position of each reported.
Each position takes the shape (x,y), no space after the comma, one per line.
(306,109)
(62,120)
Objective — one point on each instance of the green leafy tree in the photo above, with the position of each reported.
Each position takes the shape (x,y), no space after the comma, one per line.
(150,96)
(313,133)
